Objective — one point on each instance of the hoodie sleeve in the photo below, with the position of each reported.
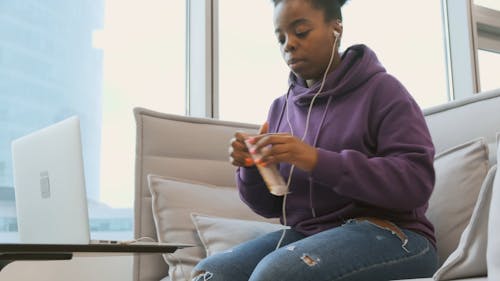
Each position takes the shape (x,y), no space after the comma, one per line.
(400,175)
(253,191)
(252,188)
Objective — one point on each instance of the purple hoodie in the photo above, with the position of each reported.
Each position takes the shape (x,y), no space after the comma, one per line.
(375,153)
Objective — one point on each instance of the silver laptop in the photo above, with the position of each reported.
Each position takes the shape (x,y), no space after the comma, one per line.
(49,182)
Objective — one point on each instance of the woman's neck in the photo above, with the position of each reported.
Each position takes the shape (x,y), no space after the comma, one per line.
(310,82)
(335,64)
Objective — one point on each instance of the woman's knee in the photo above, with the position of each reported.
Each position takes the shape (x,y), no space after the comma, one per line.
(206,268)
(278,265)
(201,275)
(219,267)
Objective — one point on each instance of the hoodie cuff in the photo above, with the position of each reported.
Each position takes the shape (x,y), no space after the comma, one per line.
(329,168)
(249,176)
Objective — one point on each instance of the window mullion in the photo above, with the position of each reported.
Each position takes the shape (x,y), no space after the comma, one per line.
(462,48)
(200,58)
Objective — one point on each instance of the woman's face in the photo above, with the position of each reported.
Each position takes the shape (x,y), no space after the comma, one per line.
(305,38)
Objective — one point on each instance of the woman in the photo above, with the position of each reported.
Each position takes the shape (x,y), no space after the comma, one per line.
(355,150)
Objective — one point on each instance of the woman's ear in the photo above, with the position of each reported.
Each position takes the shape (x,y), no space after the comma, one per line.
(338,27)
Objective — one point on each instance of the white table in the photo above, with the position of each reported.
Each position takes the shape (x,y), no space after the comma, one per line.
(37,252)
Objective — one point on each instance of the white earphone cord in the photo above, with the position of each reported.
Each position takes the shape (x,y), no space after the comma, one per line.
(305,133)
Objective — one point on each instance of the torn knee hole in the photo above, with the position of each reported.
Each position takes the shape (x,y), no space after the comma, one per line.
(310,261)
(197,273)
(201,275)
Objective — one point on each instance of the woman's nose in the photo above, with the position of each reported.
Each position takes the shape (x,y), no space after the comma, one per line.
(290,44)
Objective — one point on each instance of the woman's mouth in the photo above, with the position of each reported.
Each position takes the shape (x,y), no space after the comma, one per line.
(295,63)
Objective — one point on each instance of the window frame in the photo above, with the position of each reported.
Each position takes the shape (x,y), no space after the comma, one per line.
(479,31)
(488,26)
(462,41)
(202,86)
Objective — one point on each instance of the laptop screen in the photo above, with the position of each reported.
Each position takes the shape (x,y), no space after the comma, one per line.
(51,200)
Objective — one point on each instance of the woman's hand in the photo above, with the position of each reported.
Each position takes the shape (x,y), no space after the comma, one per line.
(238,151)
(276,148)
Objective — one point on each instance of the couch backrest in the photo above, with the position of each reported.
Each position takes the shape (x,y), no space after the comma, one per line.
(456,122)
(182,147)
(197,149)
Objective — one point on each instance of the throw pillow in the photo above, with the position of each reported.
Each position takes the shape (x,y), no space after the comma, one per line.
(220,234)
(460,172)
(496,147)
(493,250)
(173,201)
(469,259)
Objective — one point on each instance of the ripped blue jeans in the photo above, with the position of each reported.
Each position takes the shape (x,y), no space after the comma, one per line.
(356,251)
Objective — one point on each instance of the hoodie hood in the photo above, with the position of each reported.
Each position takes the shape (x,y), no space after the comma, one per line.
(359,63)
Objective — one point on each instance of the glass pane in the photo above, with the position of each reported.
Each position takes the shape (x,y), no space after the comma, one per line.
(489,63)
(48,71)
(251,71)
(95,59)
(491,4)
(412,50)
(143,65)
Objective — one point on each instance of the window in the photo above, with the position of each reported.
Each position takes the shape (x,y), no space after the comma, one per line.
(489,63)
(251,71)
(410,47)
(48,71)
(492,4)
(487,16)
(143,44)
(98,60)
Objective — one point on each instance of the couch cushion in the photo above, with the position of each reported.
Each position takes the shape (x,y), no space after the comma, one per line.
(460,172)
(493,250)
(213,231)
(469,259)
(173,202)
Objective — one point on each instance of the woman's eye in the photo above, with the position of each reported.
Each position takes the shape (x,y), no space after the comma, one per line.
(302,34)
(281,40)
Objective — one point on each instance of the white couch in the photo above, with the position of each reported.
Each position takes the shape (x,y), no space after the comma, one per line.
(196,149)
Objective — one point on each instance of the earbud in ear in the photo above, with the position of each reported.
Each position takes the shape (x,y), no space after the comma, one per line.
(336,34)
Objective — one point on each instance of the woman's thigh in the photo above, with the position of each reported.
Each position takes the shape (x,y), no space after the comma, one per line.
(238,263)
(355,251)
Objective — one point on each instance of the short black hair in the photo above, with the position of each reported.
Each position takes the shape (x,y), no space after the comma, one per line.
(331,8)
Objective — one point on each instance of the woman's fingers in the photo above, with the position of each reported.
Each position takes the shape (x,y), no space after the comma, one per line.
(267,144)
(238,146)
(262,141)
(238,151)
(236,162)
(241,136)
(276,153)
(264,129)
(240,159)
